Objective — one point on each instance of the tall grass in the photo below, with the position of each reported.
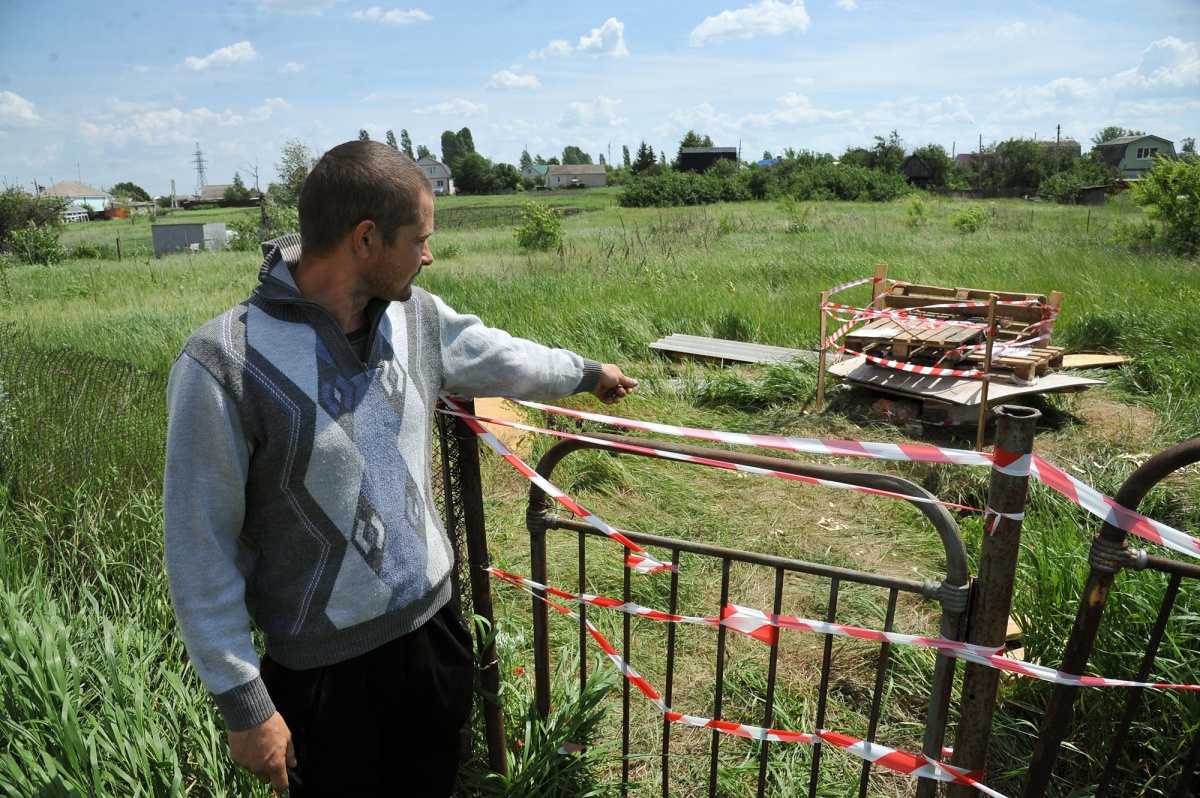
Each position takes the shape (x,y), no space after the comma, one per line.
(97,694)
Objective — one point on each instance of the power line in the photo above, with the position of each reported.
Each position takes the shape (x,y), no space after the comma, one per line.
(201,180)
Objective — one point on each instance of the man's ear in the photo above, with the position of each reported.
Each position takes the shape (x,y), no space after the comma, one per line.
(365,241)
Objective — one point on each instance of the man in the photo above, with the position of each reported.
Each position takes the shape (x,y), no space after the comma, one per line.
(298,498)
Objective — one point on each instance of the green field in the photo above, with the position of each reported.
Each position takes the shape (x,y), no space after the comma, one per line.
(92,678)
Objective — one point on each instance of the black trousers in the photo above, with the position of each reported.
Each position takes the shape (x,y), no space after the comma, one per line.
(385,723)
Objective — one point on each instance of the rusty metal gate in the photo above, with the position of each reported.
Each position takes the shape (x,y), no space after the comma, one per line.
(973,608)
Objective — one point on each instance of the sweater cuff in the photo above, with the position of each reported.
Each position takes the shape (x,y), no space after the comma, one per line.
(591,376)
(246,705)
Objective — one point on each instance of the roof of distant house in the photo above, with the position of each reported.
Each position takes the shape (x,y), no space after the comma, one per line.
(1129,139)
(70,188)
(722,150)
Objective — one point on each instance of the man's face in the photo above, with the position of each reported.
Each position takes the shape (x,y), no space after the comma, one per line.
(391,276)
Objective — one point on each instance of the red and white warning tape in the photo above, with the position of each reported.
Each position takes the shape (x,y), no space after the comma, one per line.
(708,461)
(765,626)
(1077,491)
(899,761)
(639,559)
(913,368)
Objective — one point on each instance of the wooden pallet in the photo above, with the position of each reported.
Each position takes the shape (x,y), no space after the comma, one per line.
(1025,366)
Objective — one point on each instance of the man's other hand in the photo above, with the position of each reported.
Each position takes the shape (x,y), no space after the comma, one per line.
(265,750)
(613,386)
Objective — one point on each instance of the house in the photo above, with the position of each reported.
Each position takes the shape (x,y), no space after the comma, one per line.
(699,159)
(75,213)
(1134,155)
(576,176)
(535,171)
(916,172)
(964,159)
(438,175)
(1067,147)
(769,161)
(91,198)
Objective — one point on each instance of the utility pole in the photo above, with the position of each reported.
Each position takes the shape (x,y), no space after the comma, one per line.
(201,180)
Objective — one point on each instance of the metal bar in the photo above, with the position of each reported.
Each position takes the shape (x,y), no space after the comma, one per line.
(720,692)
(673,604)
(471,494)
(1135,693)
(823,693)
(626,620)
(583,633)
(821,353)
(772,667)
(1183,787)
(1091,610)
(541,621)
(994,588)
(885,652)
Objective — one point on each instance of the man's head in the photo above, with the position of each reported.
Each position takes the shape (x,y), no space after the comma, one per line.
(355,181)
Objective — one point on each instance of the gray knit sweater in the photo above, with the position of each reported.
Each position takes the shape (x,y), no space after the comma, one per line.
(298,496)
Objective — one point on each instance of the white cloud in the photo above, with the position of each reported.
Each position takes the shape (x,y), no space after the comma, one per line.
(608,39)
(791,109)
(509,79)
(291,68)
(602,112)
(557,47)
(910,113)
(764,18)
(848,5)
(238,54)
(459,107)
(175,125)
(393,17)
(1013,31)
(297,6)
(1166,63)
(16,111)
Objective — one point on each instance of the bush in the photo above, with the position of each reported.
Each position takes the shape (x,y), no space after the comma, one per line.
(35,243)
(918,212)
(1170,193)
(971,219)
(674,189)
(86,250)
(541,227)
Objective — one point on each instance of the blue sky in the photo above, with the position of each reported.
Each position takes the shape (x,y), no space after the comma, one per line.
(116,91)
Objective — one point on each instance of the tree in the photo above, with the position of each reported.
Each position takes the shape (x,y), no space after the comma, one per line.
(237,190)
(423,151)
(1170,192)
(455,147)
(526,159)
(644,159)
(129,191)
(690,139)
(625,154)
(363,135)
(473,174)
(1113,132)
(505,177)
(296,160)
(406,144)
(937,161)
(1187,146)
(391,140)
(888,154)
(1019,164)
(573,156)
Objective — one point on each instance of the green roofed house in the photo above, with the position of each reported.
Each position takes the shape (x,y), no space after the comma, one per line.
(1134,155)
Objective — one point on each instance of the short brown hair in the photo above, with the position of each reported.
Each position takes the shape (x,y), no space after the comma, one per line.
(356,181)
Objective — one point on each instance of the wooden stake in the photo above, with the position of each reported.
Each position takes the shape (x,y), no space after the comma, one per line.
(821,356)
(878,287)
(987,374)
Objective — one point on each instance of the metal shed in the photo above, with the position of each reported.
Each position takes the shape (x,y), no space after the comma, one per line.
(170,238)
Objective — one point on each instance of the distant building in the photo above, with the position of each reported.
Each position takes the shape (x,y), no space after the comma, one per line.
(576,176)
(92,198)
(916,172)
(438,175)
(769,161)
(75,213)
(1134,155)
(700,159)
(1067,146)
(535,171)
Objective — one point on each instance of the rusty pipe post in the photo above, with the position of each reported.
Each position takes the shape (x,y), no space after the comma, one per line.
(994,586)
(471,486)
(1110,552)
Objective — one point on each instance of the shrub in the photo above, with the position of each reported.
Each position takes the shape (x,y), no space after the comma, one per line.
(86,250)
(971,219)
(1170,193)
(918,212)
(673,189)
(541,227)
(35,243)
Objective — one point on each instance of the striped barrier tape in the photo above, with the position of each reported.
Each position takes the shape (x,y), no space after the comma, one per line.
(1079,492)
(765,626)
(708,461)
(913,368)
(890,758)
(639,559)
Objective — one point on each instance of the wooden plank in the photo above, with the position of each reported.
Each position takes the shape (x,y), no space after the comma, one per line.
(720,350)
(1093,360)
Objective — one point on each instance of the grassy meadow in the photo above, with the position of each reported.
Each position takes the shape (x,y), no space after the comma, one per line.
(96,694)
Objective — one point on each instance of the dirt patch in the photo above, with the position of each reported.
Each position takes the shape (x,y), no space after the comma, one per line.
(1114,421)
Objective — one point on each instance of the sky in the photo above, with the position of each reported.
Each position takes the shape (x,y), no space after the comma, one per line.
(122,91)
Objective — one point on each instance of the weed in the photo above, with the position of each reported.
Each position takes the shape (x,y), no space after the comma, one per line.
(541,227)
